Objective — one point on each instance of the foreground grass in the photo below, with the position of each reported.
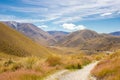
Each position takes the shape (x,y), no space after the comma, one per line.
(108,69)
(35,68)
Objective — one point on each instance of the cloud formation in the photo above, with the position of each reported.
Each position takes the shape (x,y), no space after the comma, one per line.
(64,11)
(73,27)
(43,26)
(106,14)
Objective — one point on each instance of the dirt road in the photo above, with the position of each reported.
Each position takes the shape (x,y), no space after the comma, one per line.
(82,74)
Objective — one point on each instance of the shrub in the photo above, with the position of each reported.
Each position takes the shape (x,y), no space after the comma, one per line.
(54,60)
(74,66)
(28,62)
(9,65)
(15,66)
(9,62)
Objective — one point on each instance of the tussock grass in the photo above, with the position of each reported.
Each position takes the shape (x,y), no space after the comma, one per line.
(28,62)
(54,60)
(21,75)
(108,69)
(35,68)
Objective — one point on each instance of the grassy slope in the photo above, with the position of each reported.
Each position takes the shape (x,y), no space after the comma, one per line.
(14,43)
(108,69)
(34,68)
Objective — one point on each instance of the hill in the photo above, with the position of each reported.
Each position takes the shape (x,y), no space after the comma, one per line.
(90,40)
(58,34)
(14,43)
(78,37)
(32,32)
(117,33)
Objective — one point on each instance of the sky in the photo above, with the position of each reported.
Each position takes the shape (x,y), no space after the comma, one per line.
(102,16)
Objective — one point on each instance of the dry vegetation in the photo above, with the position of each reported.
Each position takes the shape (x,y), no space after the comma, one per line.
(22,59)
(108,69)
(35,68)
(14,43)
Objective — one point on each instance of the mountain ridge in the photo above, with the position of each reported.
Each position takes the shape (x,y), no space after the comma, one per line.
(32,31)
(116,33)
(90,40)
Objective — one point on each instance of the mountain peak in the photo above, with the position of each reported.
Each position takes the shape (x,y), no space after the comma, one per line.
(86,30)
(85,34)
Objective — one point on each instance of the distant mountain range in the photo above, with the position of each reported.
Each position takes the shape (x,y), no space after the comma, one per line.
(90,40)
(58,35)
(81,39)
(15,43)
(32,32)
(117,33)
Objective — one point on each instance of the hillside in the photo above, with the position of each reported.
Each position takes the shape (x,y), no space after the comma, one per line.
(117,33)
(14,43)
(58,35)
(90,40)
(75,38)
(32,32)
(109,68)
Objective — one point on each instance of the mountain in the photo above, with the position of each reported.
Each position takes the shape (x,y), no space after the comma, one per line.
(32,32)
(58,34)
(90,40)
(117,33)
(78,37)
(15,43)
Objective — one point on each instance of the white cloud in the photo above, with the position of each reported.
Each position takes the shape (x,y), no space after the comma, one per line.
(73,27)
(64,11)
(19,19)
(43,26)
(106,14)
(68,19)
(119,12)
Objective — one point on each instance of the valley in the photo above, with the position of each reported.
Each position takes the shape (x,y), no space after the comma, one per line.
(59,39)
(30,53)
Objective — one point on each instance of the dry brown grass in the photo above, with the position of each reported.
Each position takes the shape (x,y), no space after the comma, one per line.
(34,68)
(108,69)
(14,43)
(21,75)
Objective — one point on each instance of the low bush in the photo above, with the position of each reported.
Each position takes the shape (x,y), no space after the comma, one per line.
(29,62)
(54,60)
(74,66)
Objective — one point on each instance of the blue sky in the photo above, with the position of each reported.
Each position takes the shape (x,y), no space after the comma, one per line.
(67,15)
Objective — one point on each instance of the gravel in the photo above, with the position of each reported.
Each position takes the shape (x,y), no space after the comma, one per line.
(82,74)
